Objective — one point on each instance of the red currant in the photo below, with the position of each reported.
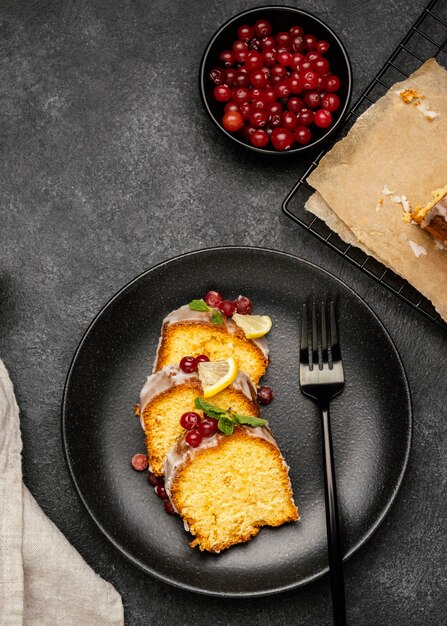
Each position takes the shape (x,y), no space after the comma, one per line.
(284,39)
(296,31)
(278,72)
(222,93)
(269,57)
(253,61)
(295,104)
(190,420)
(262,28)
(226,57)
(312,99)
(310,80)
(258,118)
(267,43)
(282,139)
(303,135)
(323,118)
(265,395)
(155,480)
(202,358)
(259,138)
(321,66)
(188,364)
(331,102)
(322,46)
(227,308)
(284,58)
(193,438)
(312,56)
(240,51)
(269,95)
(297,59)
(258,79)
(139,462)
(305,117)
(232,121)
(282,89)
(289,120)
(244,305)
(245,32)
(161,492)
(213,298)
(298,43)
(208,427)
(242,78)
(332,83)
(241,95)
(169,507)
(231,106)
(295,83)
(310,41)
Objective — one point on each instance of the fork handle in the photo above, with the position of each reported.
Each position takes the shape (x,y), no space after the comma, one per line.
(333,525)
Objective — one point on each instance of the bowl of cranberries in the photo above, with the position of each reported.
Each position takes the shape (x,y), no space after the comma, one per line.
(276,80)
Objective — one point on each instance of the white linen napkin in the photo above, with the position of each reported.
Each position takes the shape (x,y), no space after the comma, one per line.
(43,579)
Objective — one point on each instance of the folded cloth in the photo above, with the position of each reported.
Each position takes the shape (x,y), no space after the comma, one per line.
(43,579)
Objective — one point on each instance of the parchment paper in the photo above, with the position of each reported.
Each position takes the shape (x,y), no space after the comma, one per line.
(392,144)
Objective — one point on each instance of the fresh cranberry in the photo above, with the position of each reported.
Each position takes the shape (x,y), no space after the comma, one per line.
(321,66)
(248,132)
(244,305)
(218,75)
(259,138)
(310,80)
(161,492)
(295,83)
(282,89)
(253,61)
(305,66)
(258,118)
(169,507)
(222,93)
(265,395)
(190,420)
(227,308)
(232,121)
(312,56)
(310,41)
(267,43)
(240,51)
(269,57)
(213,298)
(241,95)
(332,83)
(245,32)
(242,78)
(297,59)
(331,102)
(202,358)
(278,72)
(289,120)
(207,427)
(231,75)
(312,99)
(231,106)
(323,118)
(139,462)
(273,108)
(262,28)
(258,79)
(255,44)
(155,480)
(296,30)
(284,58)
(284,39)
(193,438)
(269,95)
(245,110)
(322,46)
(282,139)
(302,135)
(226,57)
(298,44)
(305,117)
(295,104)
(188,364)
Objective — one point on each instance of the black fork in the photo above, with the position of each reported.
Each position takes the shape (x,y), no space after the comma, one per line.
(322,378)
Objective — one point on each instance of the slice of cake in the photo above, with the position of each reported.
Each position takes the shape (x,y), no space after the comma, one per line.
(433,216)
(227,488)
(189,332)
(171,392)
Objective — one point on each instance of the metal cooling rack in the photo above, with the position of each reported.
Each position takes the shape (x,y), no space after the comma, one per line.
(426,39)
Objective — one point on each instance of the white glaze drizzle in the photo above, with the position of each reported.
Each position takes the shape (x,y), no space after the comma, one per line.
(440,208)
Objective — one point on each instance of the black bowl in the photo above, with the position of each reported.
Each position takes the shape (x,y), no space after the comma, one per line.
(281,18)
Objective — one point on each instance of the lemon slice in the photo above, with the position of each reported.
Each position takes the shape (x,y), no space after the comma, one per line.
(254,326)
(216,375)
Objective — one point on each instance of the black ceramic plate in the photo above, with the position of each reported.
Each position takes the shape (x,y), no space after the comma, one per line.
(371,422)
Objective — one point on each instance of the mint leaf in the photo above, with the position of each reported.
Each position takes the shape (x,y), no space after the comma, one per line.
(217,318)
(198,305)
(248,420)
(225,425)
(210,409)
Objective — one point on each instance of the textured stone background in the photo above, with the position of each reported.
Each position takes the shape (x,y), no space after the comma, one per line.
(109,165)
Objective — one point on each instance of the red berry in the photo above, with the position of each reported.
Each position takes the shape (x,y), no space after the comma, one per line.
(297,59)
(258,118)
(295,104)
(284,39)
(169,507)
(255,44)
(310,41)
(284,58)
(269,57)
(295,83)
(155,480)
(193,438)
(231,75)
(218,75)
(241,95)
(226,57)
(259,139)
(322,46)
(289,120)
(262,28)
(332,83)
(231,106)
(253,61)
(139,462)
(282,89)
(305,117)
(296,30)
(321,66)
(202,358)
(310,80)
(244,305)
(207,427)
(232,121)
(267,43)
(240,51)
(323,118)
(213,298)
(245,110)
(312,99)
(303,135)
(265,395)
(161,492)
(331,102)
(222,93)
(190,420)
(242,78)
(227,308)
(269,95)
(248,132)
(245,32)
(278,72)
(282,139)
(273,108)
(258,79)
(298,44)
(312,55)
(188,364)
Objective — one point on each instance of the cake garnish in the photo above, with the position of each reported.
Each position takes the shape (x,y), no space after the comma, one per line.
(265,394)
(217,375)
(198,305)
(217,318)
(254,326)
(226,418)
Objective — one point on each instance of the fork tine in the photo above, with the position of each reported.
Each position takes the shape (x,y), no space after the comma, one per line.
(304,351)
(335,350)
(323,334)
(314,336)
